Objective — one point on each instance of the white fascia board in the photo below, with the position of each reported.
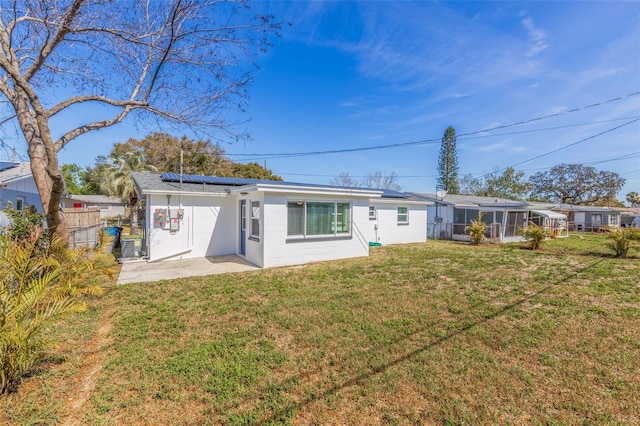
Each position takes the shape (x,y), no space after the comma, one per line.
(309,190)
(183,192)
(400,201)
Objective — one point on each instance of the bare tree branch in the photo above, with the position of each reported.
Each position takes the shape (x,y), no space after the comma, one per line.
(182,62)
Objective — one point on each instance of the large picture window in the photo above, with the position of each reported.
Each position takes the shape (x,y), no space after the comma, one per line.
(318,219)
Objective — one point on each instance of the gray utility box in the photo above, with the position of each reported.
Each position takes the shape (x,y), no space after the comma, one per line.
(131,247)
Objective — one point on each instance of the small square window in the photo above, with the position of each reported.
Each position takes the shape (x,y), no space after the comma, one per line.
(403,215)
(372,212)
(19,204)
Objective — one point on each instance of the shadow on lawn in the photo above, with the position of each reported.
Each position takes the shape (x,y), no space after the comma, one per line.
(382,368)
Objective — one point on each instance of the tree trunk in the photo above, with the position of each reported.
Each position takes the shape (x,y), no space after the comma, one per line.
(44,165)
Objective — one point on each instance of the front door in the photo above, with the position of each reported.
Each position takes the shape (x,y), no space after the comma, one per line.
(243,226)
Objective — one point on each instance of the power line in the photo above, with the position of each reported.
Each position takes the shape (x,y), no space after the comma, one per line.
(621,157)
(572,144)
(260,156)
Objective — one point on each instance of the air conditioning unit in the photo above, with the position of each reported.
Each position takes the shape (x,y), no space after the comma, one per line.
(131,247)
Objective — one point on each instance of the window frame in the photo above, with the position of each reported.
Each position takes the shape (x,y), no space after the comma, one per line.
(20,203)
(405,214)
(374,210)
(336,225)
(254,214)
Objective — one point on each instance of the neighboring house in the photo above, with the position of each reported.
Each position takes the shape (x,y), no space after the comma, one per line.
(629,217)
(589,218)
(270,223)
(109,206)
(452,214)
(17,186)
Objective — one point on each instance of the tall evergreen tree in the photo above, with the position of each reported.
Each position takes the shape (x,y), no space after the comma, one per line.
(448,163)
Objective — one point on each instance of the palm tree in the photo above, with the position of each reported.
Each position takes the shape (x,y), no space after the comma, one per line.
(118,182)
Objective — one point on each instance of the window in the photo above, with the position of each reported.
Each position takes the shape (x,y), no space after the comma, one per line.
(318,219)
(243,217)
(19,204)
(255,220)
(596,218)
(403,215)
(372,212)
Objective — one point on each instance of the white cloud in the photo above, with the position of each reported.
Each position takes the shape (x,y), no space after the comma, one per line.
(536,37)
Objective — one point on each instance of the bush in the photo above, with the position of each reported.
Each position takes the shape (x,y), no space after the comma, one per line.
(41,280)
(535,236)
(23,222)
(477,230)
(620,240)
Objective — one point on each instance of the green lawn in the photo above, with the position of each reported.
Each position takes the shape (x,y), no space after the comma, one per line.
(435,333)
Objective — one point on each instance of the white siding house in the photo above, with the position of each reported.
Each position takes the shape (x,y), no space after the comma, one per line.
(109,206)
(269,223)
(589,218)
(17,186)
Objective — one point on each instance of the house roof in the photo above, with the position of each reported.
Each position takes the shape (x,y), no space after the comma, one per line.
(98,199)
(596,209)
(170,183)
(470,200)
(628,211)
(11,171)
(550,214)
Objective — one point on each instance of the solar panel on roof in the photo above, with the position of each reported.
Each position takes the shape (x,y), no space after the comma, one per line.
(212,180)
(388,193)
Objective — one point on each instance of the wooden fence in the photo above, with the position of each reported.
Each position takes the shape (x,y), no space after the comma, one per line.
(84,226)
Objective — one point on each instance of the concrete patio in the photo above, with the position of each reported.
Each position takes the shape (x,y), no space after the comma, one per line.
(143,271)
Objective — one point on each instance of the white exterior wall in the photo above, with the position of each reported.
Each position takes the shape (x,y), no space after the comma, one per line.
(209,227)
(385,229)
(279,251)
(24,188)
(26,184)
(445,212)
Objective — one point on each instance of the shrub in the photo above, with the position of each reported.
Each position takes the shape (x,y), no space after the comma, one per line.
(41,280)
(477,230)
(620,240)
(535,236)
(23,222)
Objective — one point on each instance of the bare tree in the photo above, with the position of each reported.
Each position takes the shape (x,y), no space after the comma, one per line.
(181,62)
(381,180)
(343,179)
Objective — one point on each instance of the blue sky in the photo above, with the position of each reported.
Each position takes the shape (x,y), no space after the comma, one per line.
(350,75)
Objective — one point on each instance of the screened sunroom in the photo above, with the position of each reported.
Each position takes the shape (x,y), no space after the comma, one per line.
(503,225)
(551,221)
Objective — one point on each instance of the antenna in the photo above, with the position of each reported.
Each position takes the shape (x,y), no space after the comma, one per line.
(181,158)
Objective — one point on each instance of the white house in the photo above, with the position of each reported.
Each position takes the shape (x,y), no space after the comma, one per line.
(269,223)
(17,186)
(590,218)
(109,206)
